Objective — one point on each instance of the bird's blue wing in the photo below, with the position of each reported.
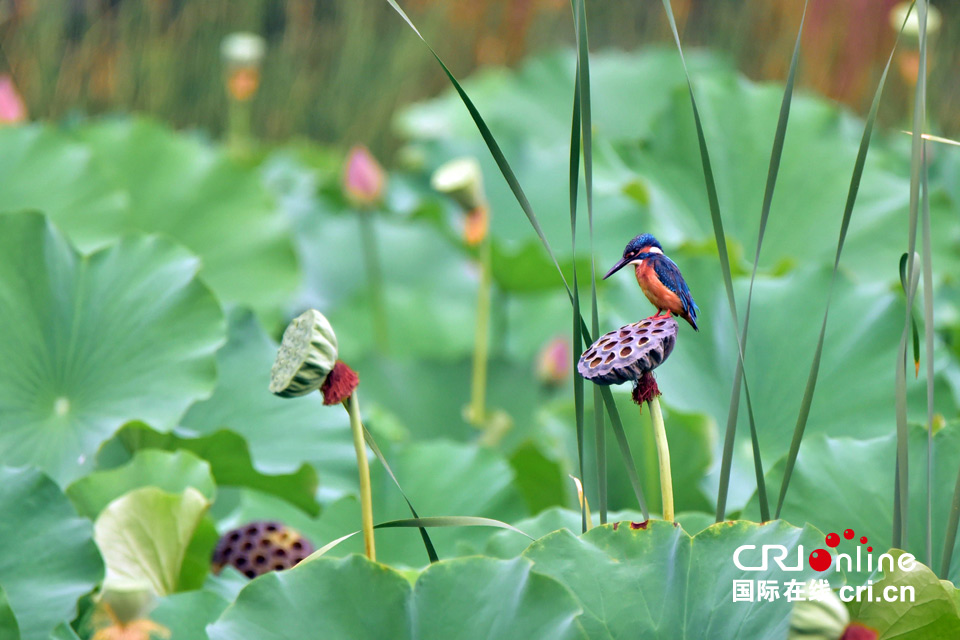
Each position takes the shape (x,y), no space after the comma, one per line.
(669,274)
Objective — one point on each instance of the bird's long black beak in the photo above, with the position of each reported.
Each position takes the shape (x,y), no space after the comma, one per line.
(620,265)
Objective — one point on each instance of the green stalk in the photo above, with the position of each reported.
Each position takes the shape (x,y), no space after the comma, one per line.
(238,125)
(371,258)
(352,405)
(481,339)
(663,453)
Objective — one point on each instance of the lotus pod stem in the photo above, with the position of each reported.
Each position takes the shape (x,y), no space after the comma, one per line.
(663,454)
(366,497)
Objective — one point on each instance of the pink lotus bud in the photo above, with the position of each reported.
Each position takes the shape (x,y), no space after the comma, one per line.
(555,362)
(12,109)
(363,178)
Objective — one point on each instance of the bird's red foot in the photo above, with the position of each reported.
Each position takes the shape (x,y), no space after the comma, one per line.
(668,313)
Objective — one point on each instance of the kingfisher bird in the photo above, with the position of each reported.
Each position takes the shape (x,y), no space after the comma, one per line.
(659,278)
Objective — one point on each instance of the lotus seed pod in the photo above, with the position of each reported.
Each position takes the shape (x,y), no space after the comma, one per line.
(462,180)
(818,619)
(260,547)
(306,356)
(630,351)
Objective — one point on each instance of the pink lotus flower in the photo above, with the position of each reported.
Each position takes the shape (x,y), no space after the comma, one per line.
(12,109)
(363,177)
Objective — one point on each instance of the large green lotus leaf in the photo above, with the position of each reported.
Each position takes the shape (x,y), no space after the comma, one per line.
(430,287)
(508,544)
(842,483)
(90,342)
(172,472)
(629,90)
(933,611)
(144,536)
(353,599)
(206,201)
(9,629)
(739,120)
(658,582)
(49,559)
(64,632)
(228,456)
(486,598)
(398,388)
(186,615)
(520,263)
(529,113)
(282,433)
(42,169)
(350,598)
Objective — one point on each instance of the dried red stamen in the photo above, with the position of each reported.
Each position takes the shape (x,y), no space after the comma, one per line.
(646,389)
(340,383)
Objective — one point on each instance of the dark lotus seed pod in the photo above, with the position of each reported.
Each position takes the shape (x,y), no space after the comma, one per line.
(259,547)
(630,351)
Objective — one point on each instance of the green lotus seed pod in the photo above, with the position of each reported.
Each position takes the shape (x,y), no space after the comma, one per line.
(307,354)
(818,619)
(462,180)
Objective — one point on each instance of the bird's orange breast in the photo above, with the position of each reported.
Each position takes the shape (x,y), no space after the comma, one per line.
(656,292)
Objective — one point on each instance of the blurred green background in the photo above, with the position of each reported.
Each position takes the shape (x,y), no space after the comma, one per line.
(335,70)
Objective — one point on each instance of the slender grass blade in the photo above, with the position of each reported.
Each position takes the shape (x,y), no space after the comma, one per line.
(577,334)
(917,168)
(928,340)
(586,129)
(950,539)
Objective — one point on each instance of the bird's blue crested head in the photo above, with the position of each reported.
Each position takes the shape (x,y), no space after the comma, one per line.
(642,241)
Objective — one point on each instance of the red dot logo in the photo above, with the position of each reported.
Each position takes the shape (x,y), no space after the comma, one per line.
(820,560)
(863,540)
(832,540)
(848,534)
